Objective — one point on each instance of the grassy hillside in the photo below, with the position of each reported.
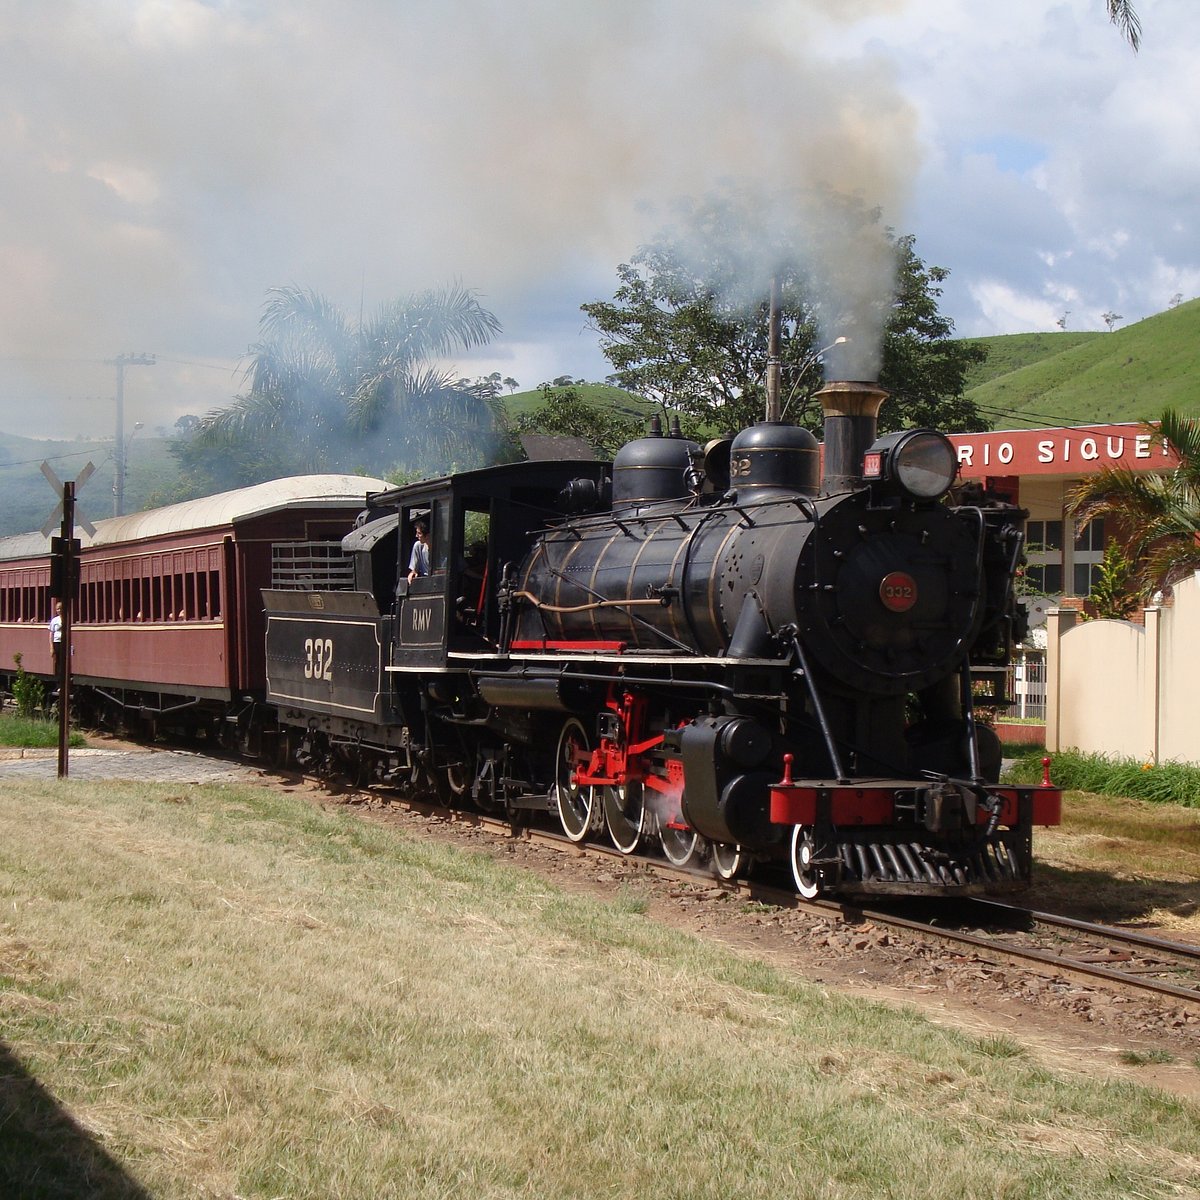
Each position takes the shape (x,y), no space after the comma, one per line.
(1131,374)
(26,499)
(599,394)
(1013,351)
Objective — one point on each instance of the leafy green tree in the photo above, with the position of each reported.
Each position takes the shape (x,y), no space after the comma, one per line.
(563,411)
(683,329)
(924,366)
(490,386)
(331,394)
(1159,512)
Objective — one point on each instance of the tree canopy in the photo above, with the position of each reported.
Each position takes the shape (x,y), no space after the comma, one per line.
(563,411)
(1158,514)
(327,393)
(688,325)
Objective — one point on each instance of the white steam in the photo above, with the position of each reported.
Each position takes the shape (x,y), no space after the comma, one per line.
(169,160)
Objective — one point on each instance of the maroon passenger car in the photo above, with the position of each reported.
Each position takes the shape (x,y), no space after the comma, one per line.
(170,614)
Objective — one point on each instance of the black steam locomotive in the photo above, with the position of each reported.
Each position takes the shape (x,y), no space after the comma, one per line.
(737,653)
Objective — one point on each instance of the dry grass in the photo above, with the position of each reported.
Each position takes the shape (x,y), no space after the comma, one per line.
(233,993)
(1122,860)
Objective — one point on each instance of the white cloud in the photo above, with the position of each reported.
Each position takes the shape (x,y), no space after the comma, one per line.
(1002,306)
(132,184)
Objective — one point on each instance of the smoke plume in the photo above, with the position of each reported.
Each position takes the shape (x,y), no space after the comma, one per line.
(170,160)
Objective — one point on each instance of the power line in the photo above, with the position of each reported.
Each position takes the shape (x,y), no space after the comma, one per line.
(184,362)
(26,462)
(1054,421)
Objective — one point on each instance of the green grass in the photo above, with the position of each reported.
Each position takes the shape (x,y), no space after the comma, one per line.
(1132,374)
(1020,749)
(1015,351)
(1143,1058)
(32,732)
(602,395)
(231,991)
(1167,783)
(1001,1046)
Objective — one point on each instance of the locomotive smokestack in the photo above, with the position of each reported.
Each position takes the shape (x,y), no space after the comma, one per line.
(851,411)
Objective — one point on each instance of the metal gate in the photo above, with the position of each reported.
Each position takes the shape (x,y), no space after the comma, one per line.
(1029,686)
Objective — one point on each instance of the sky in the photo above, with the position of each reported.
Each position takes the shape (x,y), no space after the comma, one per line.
(163,163)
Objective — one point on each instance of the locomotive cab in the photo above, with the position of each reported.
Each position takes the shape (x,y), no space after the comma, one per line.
(478,523)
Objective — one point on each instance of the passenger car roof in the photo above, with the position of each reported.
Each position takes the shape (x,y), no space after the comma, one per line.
(214,512)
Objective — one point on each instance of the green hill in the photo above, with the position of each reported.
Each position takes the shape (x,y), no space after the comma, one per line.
(26,499)
(1013,351)
(1132,374)
(602,395)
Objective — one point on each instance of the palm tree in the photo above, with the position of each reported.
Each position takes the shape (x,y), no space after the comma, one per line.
(1121,13)
(330,394)
(1161,511)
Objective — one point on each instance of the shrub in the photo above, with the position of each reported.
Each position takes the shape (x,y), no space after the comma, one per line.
(1115,592)
(29,693)
(1167,783)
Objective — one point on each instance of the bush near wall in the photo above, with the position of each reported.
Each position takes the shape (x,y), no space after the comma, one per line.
(1167,783)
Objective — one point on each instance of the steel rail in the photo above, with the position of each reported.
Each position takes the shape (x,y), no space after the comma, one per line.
(1132,937)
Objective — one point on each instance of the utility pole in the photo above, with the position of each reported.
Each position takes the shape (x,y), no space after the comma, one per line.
(121,362)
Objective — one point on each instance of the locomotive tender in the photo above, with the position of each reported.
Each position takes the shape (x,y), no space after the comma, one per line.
(739,654)
(742,655)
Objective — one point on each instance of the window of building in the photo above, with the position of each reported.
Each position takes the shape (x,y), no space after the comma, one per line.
(1087,553)
(1044,556)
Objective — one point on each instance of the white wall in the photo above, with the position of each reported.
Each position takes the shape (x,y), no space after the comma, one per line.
(1120,689)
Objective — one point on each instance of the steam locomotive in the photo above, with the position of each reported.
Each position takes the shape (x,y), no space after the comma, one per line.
(740,653)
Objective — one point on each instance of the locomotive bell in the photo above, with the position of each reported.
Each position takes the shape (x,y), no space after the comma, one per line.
(775,454)
(851,411)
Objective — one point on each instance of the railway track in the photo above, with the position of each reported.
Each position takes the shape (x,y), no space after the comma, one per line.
(1156,964)
(1058,947)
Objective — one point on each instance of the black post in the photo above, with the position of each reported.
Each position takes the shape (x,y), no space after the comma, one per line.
(70,572)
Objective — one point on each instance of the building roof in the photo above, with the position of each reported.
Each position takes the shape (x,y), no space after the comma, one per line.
(214,512)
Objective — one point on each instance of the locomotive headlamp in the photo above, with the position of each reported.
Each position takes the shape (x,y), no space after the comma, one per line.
(920,461)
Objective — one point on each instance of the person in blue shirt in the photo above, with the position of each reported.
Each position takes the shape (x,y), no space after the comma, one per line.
(418,560)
